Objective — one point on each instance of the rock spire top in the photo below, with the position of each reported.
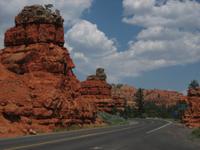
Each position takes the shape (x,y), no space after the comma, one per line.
(39,14)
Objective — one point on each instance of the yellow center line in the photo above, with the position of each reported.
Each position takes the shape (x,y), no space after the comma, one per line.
(66,139)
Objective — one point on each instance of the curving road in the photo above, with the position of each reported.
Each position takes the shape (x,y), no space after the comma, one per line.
(145,134)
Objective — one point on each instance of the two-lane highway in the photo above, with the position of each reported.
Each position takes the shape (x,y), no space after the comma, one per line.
(146,134)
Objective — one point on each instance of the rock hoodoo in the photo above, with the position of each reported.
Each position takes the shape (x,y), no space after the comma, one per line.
(39,90)
(96,88)
(192,115)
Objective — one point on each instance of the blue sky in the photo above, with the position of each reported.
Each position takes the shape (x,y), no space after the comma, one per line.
(144,43)
(108,16)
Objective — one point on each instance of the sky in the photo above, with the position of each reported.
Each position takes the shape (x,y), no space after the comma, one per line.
(143,43)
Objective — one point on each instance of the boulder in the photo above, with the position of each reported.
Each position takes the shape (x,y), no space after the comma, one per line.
(100,75)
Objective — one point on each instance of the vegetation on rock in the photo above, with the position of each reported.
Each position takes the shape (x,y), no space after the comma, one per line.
(194,84)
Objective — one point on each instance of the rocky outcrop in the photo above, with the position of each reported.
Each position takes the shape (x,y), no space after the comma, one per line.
(192,115)
(124,94)
(39,14)
(39,91)
(163,97)
(100,75)
(96,88)
(36,24)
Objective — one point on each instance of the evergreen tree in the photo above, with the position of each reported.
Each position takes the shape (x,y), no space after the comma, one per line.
(114,110)
(194,84)
(128,112)
(140,101)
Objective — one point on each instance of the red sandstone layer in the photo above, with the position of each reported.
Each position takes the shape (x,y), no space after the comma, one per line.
(96,88)
(34,33)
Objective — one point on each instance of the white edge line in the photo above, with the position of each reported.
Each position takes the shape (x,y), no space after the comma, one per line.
(169,123)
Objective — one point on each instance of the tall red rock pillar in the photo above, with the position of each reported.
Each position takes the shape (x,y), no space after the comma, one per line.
(39,90)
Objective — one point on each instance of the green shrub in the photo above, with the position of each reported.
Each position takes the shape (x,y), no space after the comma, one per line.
(162,111)
(196,133)
(129,112)
(194,84)
(111,119)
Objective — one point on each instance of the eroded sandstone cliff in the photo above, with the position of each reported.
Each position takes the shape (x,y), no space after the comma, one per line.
(126,93)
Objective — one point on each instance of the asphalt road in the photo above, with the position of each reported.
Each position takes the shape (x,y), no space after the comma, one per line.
(146,134)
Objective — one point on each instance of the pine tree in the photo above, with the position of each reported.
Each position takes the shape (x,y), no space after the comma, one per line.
(140,101)
(194,84)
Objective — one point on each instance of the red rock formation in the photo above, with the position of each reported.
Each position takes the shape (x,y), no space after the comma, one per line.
(96,88)
(39,90)
(192,115)
(123,95)
(36,24)
(160,97)
(163,97)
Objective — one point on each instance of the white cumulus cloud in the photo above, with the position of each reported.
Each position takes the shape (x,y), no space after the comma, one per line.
(171,31)
(90,46)
(170,36)
(89,40)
